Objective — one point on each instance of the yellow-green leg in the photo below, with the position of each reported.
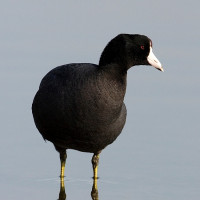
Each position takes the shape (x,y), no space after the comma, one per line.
(95,162)
(63,157)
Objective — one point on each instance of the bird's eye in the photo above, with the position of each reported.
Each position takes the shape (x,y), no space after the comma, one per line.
(142,47)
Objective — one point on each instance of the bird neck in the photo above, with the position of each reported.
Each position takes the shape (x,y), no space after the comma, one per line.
(114,82)
(115,54)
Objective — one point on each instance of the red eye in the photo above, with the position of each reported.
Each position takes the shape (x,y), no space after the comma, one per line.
(142,47)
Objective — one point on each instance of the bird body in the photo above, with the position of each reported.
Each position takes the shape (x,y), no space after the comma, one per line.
(80,107)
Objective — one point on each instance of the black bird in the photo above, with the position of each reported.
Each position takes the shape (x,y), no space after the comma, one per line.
(80,105)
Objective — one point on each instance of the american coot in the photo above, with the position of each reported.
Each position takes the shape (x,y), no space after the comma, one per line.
(80,105)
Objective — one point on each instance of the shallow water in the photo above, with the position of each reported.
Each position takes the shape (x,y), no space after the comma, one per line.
(158,167)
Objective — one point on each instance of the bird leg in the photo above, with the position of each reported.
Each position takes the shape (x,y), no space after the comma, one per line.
(95,162)
(63,157)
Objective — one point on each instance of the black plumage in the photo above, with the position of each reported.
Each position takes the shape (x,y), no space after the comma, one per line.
(80,105)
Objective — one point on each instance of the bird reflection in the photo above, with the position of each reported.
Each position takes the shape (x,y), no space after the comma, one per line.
(62,194)
(94,192)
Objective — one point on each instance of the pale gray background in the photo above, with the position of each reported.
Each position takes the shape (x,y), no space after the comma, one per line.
(157,155)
